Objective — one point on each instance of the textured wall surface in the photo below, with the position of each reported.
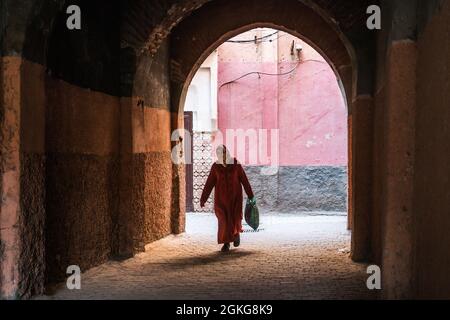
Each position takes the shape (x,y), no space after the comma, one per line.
(296,189)
(397,208)
(10,175)
(362,123)
(32,220)
(378,174)
(82,128)
(157,195)
(432,166)
(79,211)
(151,126)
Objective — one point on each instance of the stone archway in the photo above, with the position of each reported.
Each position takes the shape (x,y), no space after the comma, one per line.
(193,40)
(180,40)
(138,70)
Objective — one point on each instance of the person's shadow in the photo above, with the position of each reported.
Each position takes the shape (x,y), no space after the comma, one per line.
(212,258)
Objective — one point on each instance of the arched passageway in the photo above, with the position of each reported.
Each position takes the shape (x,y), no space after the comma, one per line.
(103,161)
(276,93)
(276,252)
(191,43)
(87,117)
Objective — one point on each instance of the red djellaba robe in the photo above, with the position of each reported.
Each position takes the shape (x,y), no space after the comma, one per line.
(228,182)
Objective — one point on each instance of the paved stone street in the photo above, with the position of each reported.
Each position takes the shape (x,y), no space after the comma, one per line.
(292,257)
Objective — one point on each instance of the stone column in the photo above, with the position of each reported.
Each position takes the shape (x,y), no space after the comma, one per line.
(399,121)
(362,127)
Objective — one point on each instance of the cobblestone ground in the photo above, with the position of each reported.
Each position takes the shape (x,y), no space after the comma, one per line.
(292,257)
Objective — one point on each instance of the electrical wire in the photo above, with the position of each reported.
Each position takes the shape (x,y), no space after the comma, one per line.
(253,40)
(259,41)
(269,74)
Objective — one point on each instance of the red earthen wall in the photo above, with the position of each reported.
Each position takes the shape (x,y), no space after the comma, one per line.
(398,169)
(306,105)
(432,165)
(82,128)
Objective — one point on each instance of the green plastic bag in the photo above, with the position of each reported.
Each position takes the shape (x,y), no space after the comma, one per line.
(252,214)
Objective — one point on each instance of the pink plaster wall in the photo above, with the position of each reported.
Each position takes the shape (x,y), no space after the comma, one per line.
(306,106)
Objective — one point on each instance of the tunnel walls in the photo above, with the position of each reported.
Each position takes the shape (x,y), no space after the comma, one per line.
(82,108)
(410,162)
(22,212)
(82,176)
(394,147)
(108,129)
(148,152)
(32,180)
(61,171)
(57,152)
(81,141)
(23,177)
(10,174)
(432,166)
(86,163)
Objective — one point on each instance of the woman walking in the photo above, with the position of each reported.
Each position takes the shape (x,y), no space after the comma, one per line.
(227,177)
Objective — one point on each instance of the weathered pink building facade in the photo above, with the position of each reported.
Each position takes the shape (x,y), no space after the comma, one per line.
(283,83)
